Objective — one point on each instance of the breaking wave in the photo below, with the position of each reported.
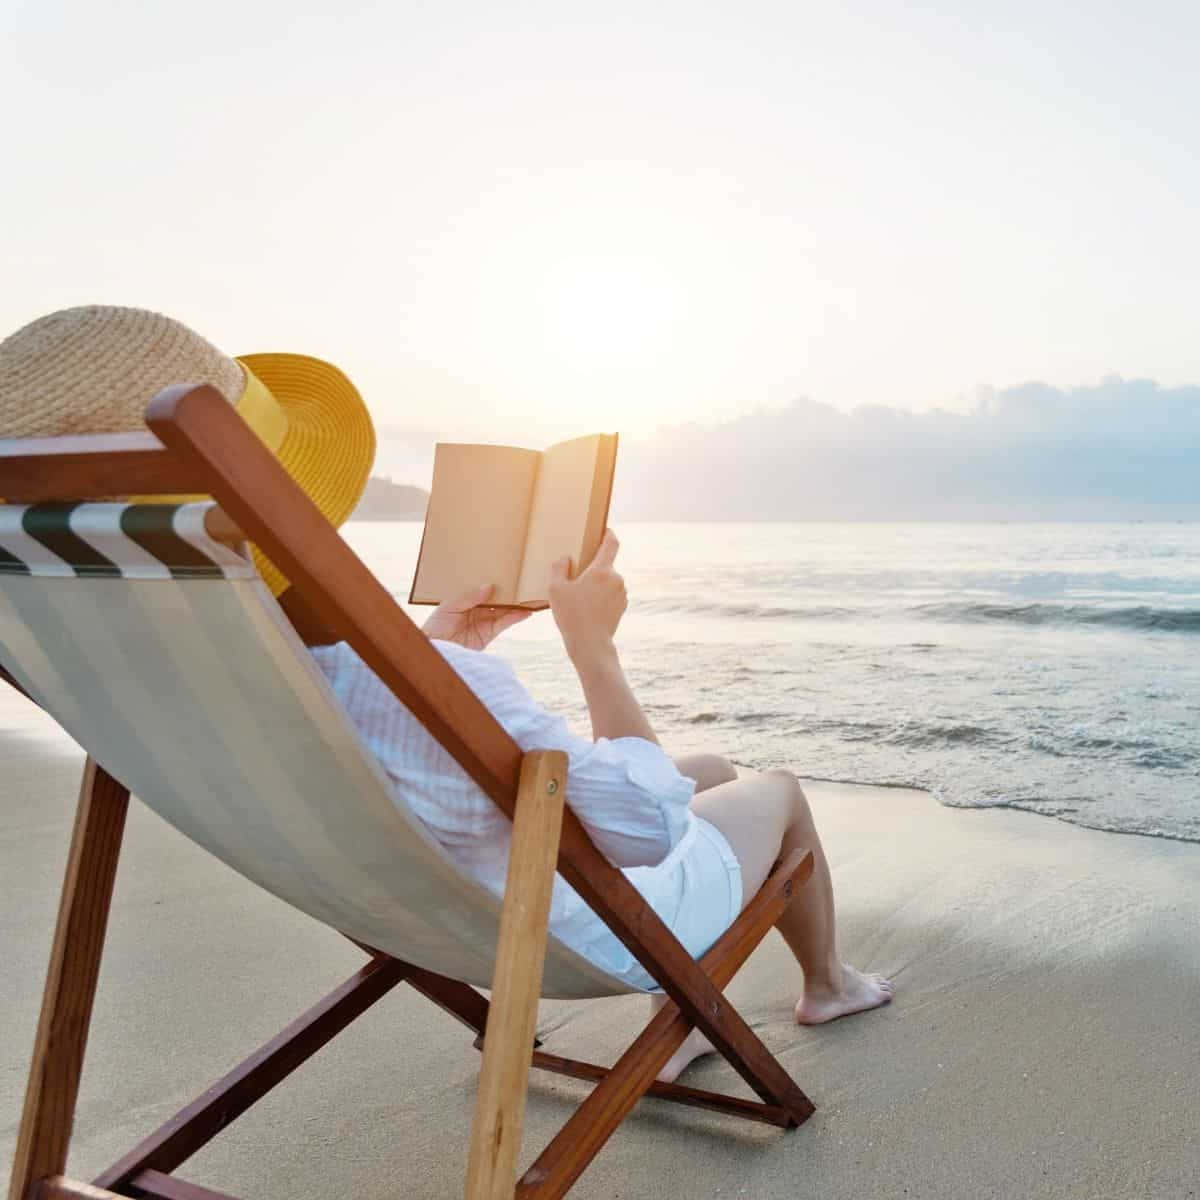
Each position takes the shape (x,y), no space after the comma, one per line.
(1140,618)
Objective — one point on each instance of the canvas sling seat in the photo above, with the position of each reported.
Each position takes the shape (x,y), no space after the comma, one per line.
(161,648)
(146,631)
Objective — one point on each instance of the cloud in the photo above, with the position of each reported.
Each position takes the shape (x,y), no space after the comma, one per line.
(1121,449)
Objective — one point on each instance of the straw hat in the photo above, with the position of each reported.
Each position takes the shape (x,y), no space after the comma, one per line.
(94,369)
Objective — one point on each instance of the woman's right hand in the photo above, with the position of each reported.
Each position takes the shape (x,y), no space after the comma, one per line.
(588,610)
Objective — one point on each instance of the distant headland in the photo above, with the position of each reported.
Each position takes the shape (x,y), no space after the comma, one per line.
(384,500)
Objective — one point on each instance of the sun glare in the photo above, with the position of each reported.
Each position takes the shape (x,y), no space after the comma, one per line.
(606,314)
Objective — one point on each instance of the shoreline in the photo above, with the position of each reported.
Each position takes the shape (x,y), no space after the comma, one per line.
(1000,805)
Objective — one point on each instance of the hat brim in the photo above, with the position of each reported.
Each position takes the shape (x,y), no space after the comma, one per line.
(329,446)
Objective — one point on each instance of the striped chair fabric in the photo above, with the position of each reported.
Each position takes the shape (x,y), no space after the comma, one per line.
(166,658)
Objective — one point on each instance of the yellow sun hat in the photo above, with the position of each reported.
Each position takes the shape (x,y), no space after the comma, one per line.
(94,369)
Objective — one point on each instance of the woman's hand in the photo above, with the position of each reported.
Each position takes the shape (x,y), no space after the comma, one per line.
(588,610)
(471,621)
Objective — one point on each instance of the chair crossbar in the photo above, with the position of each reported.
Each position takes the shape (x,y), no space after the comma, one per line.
(199,1122)
(105,464)
(61,1187)
(735,1106)
(149,1185)
(155,1185)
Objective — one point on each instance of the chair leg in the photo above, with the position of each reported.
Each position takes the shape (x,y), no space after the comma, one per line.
(517,983)
(155,1185)
(71,981)
(735,1106)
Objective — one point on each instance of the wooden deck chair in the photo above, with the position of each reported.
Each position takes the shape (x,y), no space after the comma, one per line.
(151,639)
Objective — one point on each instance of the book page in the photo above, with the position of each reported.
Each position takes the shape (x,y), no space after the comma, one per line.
(602,483)
(559,521)
(476,523)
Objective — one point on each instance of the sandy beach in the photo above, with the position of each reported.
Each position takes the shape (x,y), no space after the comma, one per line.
(1043,1042)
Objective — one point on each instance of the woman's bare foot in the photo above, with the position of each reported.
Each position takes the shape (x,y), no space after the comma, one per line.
(694,1045)
(858,993)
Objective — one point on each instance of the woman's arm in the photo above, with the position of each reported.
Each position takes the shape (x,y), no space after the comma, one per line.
(611,703)
(587,612)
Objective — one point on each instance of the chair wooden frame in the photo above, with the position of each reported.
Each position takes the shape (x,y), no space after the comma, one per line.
(198,444)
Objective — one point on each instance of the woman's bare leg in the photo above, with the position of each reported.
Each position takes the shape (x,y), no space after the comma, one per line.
(764,817)
(708,770)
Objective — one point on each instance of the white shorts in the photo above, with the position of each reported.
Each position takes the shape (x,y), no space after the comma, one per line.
(696,890)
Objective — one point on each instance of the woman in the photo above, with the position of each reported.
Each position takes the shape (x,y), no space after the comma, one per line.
(695,838)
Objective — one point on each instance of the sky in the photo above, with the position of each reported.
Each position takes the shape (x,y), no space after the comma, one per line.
(524,221)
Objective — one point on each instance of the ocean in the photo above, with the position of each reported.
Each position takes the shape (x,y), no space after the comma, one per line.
(1046,667)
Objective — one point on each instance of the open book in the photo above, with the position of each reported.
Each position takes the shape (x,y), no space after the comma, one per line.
(502,515)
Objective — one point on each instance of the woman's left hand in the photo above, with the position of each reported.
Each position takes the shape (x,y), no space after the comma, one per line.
(471,621)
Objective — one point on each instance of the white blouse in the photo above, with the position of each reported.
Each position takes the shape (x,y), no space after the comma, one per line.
(626,791)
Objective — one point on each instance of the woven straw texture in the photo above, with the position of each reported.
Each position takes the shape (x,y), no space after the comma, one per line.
(94,369)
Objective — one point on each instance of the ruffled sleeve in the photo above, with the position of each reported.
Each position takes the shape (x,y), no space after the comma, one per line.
(626,791)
